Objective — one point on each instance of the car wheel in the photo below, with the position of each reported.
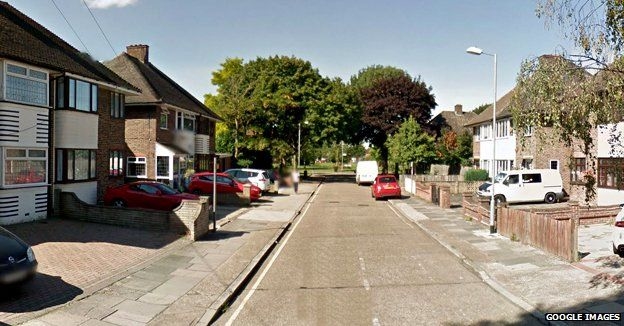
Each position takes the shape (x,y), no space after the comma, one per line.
(119,203)
(499,199)
(550,198)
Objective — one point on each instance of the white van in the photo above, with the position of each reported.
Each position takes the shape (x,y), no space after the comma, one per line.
(525,186)
(366,172)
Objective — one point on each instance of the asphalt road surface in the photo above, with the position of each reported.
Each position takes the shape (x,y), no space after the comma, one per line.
(351,260)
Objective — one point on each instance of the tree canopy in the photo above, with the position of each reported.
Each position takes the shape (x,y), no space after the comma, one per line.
(411,144)
(390,101)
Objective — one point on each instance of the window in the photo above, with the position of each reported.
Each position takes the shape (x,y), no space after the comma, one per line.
(577,168)
(531,178)
(76,94)
(485,131)
(610,173)
(162,167)
(137,167)
(527,163)
(24,166)
(513,179)
(528,131)
(554,165)
(26,85)
(502,129)
(185,121)
(115,163)
(164,119)
(75,165)
(117,105)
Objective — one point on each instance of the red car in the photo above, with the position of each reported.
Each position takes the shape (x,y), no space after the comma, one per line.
(202,183)
(385,185)
(145,194)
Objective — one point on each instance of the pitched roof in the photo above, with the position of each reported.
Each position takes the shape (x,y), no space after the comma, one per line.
(157,87)
(502,110)
(23,39)
(452,120)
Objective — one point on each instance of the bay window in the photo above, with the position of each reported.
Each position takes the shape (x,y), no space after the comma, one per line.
(185,121)
(75,165)
(115,163)
(610,173)
(26,85)
(76,94)
(24,166)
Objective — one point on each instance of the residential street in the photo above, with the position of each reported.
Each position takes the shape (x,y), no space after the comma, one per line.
(351,260)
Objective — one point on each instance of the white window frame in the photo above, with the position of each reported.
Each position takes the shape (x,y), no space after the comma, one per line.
(528,131)
(27,157)
(502,129)
(136,160)
(169,167)
(28,77)
(181,117)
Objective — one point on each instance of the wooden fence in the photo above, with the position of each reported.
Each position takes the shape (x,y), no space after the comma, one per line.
(555,234)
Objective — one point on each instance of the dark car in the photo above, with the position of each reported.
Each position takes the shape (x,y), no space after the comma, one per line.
(146,194)
(17,259)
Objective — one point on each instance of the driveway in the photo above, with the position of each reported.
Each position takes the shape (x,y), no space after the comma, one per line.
(76,258)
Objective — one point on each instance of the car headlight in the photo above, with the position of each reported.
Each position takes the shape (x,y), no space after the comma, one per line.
(30,254)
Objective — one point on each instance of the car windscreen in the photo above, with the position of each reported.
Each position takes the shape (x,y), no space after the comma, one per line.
(500,177)
(387,179)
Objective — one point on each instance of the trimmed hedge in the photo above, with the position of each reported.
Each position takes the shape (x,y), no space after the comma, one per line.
(476,175)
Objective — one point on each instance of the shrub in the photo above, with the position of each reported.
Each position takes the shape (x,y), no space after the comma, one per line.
(476,175)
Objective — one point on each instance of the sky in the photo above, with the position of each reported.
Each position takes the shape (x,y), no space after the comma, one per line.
(189,39)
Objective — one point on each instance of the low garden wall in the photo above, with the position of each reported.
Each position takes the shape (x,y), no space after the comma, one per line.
(191,218)
(455,186)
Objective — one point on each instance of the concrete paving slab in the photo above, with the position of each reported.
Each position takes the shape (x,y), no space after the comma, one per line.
(267,215)
(62,318)
(137,311)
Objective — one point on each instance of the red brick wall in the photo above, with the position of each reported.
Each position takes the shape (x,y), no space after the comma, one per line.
(165,136)
(111,136)
(140,126)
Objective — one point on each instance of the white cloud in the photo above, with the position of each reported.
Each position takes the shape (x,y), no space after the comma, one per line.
(103,4)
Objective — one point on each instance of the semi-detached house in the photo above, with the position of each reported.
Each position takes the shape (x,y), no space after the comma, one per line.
(168,131)
(55,107)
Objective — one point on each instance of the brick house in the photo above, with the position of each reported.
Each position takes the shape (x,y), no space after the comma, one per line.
(167,130)
(482,131)
(54,101)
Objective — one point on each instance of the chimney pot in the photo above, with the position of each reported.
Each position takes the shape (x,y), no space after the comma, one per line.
(459,109)
(139,51)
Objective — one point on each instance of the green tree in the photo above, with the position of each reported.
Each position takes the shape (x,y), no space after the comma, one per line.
(455,150)
(411,144)
(368,76)
(387,103)
(481,108)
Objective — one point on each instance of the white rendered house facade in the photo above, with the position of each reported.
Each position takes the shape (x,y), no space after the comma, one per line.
(505,147)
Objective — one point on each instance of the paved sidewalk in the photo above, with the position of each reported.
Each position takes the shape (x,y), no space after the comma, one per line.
(187,285)
(536,281)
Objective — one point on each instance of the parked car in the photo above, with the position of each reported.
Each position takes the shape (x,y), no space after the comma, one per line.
(385,186)
(366,172)
(258,178)
(525,186)
(17,259)
(274,176)
(146,194)
(618,233)
(202,183)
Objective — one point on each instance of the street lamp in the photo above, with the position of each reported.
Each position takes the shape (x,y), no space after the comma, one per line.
(478,51)
(299,144)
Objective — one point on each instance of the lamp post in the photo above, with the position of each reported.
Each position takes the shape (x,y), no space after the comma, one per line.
(478,51)
(299,144)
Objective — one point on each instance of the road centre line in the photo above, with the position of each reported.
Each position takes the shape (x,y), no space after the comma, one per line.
(273,259)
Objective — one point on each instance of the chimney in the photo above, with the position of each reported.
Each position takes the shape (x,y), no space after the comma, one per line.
(458,109)
(139,51)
